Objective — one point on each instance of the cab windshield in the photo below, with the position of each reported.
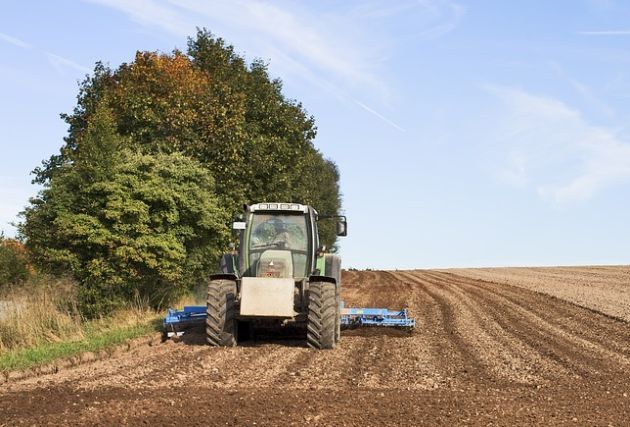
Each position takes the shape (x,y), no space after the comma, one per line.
(282,232)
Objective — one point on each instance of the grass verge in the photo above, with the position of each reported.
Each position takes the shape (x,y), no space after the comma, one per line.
(40,323)
(94,340)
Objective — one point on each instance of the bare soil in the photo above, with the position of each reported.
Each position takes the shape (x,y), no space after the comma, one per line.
(483,353)
(602,288)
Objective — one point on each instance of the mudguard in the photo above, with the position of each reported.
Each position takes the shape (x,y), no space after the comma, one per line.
(329,266)
(224,276)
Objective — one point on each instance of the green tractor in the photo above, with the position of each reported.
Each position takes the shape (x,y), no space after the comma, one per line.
(283,277)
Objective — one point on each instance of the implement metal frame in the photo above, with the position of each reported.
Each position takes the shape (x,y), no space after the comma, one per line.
(356,317)
(177,321)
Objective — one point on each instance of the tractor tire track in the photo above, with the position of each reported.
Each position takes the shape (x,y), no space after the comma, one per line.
(590,330)
(495,355)
(579,355)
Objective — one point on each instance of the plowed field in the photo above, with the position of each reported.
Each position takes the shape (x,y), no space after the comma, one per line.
(483,353)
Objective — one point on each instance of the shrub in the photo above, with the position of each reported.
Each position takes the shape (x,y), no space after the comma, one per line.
(126,224)
(14,265)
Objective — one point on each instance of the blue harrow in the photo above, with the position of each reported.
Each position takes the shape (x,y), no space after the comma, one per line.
(177,322)
(356,317)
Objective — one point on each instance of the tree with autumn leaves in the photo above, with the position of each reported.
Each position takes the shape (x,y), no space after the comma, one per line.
(160,154)
(15,267)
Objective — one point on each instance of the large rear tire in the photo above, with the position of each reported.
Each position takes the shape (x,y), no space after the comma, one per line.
(221,324)
(322,323)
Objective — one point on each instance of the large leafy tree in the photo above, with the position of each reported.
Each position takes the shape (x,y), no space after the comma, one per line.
(212,106)
(126,223)
(139,135)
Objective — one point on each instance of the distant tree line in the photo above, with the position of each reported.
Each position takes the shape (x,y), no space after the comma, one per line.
(161,153)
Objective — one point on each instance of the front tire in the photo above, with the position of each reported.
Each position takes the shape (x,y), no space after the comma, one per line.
(221,325)
(322,321)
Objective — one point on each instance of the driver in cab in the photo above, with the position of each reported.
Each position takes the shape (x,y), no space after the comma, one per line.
(274,234)
(282,240)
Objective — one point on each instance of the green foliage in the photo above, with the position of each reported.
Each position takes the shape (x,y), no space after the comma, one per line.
(14,266)
(214,107)
(319,184)
(126,223)
(129,203)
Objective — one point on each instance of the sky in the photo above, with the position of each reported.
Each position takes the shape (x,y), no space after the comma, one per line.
(467,133)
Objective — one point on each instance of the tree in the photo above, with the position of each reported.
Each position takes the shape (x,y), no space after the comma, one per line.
(319,186)
(14,262)
(160,153)
(126,223)
(212,106)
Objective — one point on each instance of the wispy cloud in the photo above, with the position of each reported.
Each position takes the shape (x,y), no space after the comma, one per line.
(261,24)
(152,13)
(428,19)
(341,51)
(60,64)
(605,33)
(447,17)
(380,116)
(334,90)
(14,41)
(550,146)
(585,91)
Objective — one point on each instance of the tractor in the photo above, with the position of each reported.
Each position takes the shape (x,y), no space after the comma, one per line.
(284,277)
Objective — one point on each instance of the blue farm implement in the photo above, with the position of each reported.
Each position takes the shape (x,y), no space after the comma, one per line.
(356,317)
(177,322)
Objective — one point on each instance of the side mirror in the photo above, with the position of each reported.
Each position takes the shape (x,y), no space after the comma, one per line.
(239,226)
(342,227)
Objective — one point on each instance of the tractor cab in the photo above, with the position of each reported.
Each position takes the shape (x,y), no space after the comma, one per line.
(278,240)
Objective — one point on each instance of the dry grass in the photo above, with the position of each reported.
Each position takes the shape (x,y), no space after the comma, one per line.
(38,312)
(40,322)
(44,311)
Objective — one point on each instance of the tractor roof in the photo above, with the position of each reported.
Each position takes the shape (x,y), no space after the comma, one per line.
(288,207)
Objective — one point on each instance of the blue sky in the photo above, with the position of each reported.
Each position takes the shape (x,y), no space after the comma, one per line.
(483,133)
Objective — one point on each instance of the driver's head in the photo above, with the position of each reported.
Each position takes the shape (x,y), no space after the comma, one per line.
(279,226)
